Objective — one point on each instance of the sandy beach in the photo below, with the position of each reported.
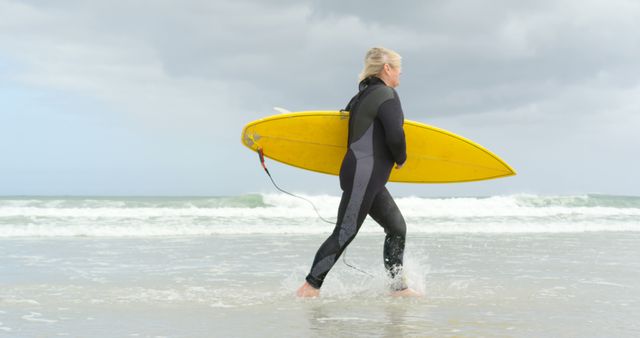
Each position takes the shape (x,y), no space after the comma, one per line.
(476,285)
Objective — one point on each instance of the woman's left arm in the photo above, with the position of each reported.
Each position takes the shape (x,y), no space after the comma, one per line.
(392,119)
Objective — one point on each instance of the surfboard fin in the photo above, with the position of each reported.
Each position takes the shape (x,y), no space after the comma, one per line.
(281,110)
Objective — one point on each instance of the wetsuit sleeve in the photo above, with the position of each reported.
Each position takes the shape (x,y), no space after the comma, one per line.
(391,116)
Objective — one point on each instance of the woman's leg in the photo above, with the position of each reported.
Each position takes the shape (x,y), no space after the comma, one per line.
(385,211)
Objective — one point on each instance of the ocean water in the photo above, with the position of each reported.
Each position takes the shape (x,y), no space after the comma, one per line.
(500,266)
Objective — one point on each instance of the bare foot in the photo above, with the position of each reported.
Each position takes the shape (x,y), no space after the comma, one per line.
(307,291)
(408,292)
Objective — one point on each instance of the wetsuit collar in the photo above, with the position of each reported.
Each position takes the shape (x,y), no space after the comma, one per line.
(371,80)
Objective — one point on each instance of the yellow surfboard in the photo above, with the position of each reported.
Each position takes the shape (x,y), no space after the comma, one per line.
(317,140)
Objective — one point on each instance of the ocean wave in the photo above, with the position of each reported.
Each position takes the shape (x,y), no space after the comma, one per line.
(280,213)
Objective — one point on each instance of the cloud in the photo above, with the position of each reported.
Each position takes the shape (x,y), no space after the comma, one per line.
(469,57)
(459,52)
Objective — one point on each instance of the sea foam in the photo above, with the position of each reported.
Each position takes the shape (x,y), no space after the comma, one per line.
(284,214)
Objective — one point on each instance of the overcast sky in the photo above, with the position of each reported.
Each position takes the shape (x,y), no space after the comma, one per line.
(149,97)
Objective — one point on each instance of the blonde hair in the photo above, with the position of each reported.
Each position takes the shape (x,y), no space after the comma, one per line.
(375,60)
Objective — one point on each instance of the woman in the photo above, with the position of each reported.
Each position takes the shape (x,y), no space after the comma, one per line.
(376,142)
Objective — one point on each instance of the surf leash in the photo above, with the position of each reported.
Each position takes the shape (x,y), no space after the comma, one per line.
(261,155)
(344,253)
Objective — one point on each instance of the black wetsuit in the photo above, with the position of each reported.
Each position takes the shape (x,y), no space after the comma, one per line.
(376,142)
